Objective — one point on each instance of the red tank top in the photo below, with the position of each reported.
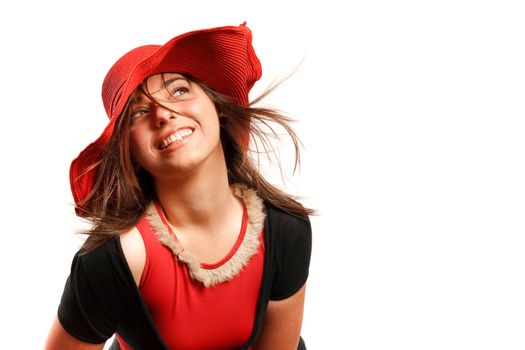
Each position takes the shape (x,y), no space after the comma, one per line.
(189,315)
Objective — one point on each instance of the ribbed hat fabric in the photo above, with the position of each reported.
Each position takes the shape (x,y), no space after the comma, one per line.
(221,57)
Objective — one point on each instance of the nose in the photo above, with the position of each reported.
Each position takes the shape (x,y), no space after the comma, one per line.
(162,115)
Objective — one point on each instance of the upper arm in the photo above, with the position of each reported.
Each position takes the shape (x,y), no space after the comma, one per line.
(96,294)
(292,257)
(59,339)
(135,252)
(292,244)
(282,324)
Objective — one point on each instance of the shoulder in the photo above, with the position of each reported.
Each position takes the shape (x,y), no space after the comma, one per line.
(131,242)
(100,265)
(134,252)
(99,257)
(102,273)
(285,225)
(111,258)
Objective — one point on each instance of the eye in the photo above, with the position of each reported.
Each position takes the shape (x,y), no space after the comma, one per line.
(178,87)
(137,113)
(180,91)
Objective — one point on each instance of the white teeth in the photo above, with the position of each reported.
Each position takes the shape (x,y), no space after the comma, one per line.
(179,135)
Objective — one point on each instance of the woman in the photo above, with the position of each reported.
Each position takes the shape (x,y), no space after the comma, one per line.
(190,248)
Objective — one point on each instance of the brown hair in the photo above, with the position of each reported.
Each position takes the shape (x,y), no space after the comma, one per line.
(122,191)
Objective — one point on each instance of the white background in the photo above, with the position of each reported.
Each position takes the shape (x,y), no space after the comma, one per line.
(412,118)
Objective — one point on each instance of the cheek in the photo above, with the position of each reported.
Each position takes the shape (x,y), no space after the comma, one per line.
(212,117)
(137,145)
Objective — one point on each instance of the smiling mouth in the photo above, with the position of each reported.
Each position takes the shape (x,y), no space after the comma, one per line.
(177,136)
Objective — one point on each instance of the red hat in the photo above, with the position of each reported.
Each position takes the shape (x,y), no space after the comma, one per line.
(222,57)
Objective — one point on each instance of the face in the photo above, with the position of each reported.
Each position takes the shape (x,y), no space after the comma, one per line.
(176,132)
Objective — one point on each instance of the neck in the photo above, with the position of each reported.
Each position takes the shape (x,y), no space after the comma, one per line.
(200,199)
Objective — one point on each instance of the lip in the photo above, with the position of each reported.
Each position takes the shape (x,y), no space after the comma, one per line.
(174,145)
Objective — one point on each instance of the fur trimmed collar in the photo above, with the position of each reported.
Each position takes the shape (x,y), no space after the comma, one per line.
(228,270)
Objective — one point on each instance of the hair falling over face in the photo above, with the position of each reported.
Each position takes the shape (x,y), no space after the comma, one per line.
(122,191)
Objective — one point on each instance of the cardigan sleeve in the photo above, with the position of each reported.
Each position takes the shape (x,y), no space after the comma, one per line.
(94,296)
(292,255)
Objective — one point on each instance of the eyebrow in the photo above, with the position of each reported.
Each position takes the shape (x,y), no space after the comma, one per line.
(135,99)
(171,80)
(166,83)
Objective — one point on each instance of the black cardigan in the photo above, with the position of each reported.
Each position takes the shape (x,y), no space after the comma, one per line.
(101,297)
